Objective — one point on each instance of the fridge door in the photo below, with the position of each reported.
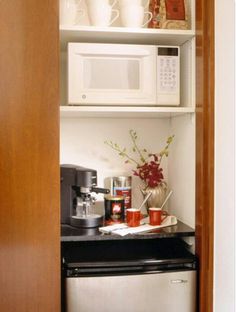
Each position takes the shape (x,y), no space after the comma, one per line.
(163,292)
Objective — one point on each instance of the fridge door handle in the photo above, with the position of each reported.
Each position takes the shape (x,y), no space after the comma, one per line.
(178,281)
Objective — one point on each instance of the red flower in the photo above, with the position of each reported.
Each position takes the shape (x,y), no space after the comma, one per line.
(150,172)
(148,166)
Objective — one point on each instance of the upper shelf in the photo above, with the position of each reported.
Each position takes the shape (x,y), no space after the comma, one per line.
(123,35)
(123,112)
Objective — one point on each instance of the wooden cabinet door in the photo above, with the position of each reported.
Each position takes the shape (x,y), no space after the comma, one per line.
(205,151)
(29,156)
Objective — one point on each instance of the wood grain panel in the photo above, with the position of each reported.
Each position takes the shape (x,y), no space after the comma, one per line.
(205,150)
(29,164)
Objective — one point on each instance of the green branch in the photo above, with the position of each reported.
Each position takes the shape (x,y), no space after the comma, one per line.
(140,152)
(122,152)
(165,151)
(136,148)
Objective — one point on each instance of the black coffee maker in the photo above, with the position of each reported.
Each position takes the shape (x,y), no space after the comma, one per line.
(77,202)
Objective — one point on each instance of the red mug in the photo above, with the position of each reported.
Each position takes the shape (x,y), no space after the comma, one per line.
(133,217)
(157,216)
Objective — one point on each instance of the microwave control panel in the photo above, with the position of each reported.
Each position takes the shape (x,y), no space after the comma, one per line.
(168,75)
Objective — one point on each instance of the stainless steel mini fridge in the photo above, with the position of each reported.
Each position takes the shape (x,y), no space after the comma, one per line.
(132,277)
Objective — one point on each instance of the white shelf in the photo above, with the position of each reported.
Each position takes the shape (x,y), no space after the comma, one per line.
(123,112)
(123,35)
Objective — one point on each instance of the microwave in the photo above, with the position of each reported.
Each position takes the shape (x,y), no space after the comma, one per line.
(123,74)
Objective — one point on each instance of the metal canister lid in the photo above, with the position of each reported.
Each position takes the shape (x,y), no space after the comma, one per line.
(122,181)
(113,198)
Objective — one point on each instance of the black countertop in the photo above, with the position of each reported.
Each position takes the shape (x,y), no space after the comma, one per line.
(71,234)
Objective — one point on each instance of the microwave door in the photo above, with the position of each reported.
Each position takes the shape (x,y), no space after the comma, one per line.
(111,75)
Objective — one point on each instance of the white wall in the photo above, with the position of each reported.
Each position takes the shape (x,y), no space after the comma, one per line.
(224,272)
(181,169)
(82,143)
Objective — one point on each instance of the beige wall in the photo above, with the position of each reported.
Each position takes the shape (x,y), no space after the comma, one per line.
(224,274)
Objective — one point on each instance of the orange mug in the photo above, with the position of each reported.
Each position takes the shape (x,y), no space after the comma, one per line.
(133,217)
(157,216)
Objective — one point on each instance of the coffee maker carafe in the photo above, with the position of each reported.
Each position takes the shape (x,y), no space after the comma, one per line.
(77,202)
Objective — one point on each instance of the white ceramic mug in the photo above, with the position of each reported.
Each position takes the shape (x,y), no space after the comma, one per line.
(133,16)
(100,2)
(134,2)
(100,15)
(69,12)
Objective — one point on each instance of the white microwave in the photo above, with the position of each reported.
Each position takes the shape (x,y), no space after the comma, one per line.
(123,74)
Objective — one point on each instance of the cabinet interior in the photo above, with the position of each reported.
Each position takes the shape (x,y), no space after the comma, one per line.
(83,17)
(82,135)
(82,143)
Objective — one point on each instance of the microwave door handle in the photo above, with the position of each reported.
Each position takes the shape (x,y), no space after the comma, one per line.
(134,97)
(135,55)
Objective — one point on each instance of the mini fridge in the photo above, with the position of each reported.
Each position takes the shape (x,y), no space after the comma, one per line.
(130,276)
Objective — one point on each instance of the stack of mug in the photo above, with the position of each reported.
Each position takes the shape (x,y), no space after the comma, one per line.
(132,13)
(102,14)
(70,12)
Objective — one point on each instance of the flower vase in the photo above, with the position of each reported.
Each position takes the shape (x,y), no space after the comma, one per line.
(158,196)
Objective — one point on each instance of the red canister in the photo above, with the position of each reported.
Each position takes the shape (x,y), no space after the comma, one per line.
(121,186)
(114,209)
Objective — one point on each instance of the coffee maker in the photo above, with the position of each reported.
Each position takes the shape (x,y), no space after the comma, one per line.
(77,184)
